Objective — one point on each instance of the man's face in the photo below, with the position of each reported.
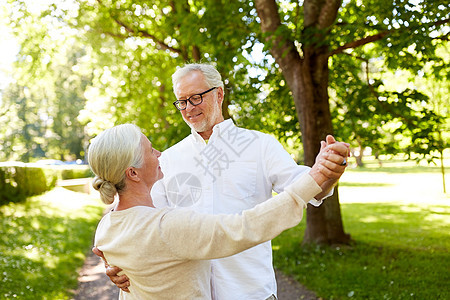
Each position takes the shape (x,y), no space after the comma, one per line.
(204,116)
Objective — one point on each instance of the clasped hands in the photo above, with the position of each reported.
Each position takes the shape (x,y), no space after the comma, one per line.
(330,163)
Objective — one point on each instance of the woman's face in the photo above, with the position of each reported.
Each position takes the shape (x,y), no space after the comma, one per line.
(151,171)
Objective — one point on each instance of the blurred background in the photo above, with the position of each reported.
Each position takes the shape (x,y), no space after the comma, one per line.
(373,73)
(70,69)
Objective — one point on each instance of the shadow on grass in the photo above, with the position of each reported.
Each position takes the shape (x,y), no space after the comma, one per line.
(399,169)
(364,184)
(411,217)
(42,247)
(398,252)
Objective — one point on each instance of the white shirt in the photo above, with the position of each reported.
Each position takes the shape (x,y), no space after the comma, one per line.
(234,171)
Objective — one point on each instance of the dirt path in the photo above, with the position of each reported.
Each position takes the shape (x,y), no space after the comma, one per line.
(94,284)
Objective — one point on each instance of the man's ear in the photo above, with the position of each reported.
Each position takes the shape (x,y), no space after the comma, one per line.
(220,95)
(132,174)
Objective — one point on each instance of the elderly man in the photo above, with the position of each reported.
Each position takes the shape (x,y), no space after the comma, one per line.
(221,168)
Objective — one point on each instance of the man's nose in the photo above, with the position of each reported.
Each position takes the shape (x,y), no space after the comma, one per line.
(189,106)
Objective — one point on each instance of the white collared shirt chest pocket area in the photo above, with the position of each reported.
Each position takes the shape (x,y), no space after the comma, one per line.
(239,180)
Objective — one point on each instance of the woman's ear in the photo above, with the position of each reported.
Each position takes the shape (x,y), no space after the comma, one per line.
(132,174)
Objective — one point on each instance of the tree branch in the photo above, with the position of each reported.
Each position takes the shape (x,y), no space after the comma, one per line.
(139,33)
(360,42)
(442,38)
(282,48)
(2,113)
(441,22)
(381,35)
(143,33)
(328,13)
(374,92)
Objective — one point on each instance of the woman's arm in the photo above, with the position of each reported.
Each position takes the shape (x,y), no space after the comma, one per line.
(199,236)
(191,235)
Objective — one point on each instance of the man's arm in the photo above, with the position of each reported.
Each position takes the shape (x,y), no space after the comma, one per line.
(281,169)
(122,281)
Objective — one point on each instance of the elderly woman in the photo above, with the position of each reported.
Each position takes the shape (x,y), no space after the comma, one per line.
(165,252)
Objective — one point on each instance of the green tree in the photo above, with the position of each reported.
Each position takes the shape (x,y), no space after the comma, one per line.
(24,127)
(304,37)
(43,101)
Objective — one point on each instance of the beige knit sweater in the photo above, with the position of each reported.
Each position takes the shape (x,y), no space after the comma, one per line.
(165,252)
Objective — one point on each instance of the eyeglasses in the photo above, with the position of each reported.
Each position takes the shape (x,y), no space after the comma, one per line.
(194,100)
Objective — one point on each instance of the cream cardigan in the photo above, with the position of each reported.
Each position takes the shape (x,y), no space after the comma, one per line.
(165,252)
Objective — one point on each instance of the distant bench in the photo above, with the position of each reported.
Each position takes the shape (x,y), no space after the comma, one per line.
(82,185)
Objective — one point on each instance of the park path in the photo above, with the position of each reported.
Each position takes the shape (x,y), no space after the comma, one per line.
(94,284)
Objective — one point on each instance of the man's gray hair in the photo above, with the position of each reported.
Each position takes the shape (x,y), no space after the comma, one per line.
(212,76)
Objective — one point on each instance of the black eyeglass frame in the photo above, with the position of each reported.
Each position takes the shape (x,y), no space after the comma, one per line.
(189,99)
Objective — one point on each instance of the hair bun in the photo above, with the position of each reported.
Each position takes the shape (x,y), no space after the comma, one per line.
(98,183)
(106,188)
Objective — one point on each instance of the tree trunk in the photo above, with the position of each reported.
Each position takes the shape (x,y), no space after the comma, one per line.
(324,223)
(307,78)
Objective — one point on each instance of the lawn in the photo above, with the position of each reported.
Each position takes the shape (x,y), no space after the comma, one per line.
(399,221)
(44,242)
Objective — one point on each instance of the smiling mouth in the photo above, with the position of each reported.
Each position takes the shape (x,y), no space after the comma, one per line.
(193,117)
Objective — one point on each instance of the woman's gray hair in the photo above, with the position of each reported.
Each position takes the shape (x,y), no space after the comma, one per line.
(212,76)
(110,154)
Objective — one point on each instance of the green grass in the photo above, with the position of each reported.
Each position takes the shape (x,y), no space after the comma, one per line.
(400,226)
(44,242)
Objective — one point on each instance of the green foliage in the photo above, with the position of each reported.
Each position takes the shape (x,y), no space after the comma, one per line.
(399,247)
(131,48)
(139,46)
(17,183)
(41,111)
(112,62)
(44,242)
(370,111)
(370,107)
(24,127)
(74,173)
(273,114)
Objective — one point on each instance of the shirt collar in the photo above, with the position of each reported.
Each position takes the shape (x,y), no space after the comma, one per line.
(217,130)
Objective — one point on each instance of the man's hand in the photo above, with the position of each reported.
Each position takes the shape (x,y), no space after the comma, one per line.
(122,281)
(329,166)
